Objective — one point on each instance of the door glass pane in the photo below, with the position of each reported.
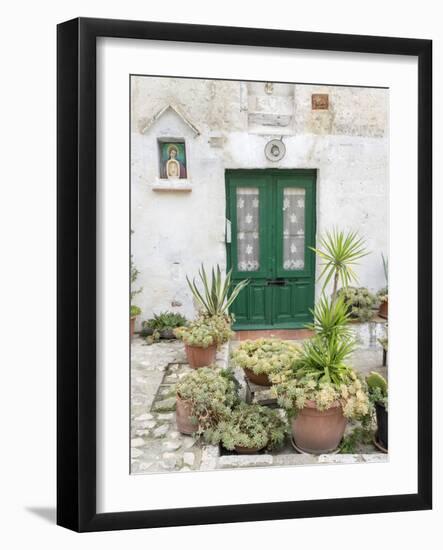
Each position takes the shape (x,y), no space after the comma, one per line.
(247,229)
(293,229)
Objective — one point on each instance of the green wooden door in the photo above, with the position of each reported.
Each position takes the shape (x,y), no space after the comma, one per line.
(272,226)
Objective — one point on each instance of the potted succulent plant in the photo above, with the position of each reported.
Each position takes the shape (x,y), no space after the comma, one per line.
(382,294)
(213,326)
(202,337)
(250,429)
(383,300)
(134,313)
(165,323)
(378,395)
(320,390)
(204,398)
(359,301)
(262,357)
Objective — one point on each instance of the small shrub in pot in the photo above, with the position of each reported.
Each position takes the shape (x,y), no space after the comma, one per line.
(265,356)
(320,390)
(249,429)
(383,300)
(203,336)
(165,323)
(382,294)
(359,302)
(133,313)
(204,398)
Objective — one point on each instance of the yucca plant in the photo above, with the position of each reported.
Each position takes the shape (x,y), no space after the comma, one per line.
(330,318)
(215,298)
(339,252)
(324,359)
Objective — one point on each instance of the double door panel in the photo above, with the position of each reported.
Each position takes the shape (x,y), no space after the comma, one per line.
(272,219)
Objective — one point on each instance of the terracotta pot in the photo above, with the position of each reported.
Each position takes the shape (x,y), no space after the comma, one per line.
(318,432)
(259,379)
(246,450)
(183,417)
(200,357)
(383,309)
(132,325)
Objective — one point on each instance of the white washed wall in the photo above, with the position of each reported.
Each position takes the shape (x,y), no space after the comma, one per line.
(175,231)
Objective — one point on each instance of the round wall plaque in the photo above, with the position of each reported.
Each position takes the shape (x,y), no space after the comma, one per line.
(275,150)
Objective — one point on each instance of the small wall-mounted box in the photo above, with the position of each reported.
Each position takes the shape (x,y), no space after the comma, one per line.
(320,102)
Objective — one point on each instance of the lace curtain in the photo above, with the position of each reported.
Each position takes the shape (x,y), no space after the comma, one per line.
(248,229)
(293,229)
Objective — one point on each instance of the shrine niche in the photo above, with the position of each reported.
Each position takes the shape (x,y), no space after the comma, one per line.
(173,160)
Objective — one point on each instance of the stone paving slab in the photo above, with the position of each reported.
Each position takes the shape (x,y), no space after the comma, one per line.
(295,459)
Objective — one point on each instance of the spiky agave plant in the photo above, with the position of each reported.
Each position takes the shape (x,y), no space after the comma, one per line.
(215,298)
(339,252)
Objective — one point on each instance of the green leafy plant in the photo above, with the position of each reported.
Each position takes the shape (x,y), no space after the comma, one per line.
(339,252)
(359,302)
(330,318)
(251,426)
(378,388)
(321,373)
(165,320)
(135,310)
(354,440)
(211,393)
(206,331)
(215,299)
(265,355)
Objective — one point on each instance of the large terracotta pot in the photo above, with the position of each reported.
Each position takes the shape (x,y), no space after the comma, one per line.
(383,309)
(132,325)
(246,450)
(183,412)
(200,357)
(259,379)
(318,432)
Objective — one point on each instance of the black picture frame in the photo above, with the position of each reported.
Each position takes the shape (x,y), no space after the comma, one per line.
(76,264)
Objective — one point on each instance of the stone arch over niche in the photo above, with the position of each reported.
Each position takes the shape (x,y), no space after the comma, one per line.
(171,130)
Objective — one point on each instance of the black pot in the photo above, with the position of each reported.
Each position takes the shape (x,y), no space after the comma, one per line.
(146,331)
(167,334)
(382,424)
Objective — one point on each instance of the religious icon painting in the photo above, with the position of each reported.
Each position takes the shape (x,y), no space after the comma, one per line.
(172,160)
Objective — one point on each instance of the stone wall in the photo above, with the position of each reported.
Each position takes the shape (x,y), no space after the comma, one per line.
(226,125)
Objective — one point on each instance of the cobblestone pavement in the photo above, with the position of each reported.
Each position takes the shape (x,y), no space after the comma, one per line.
(157,446)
